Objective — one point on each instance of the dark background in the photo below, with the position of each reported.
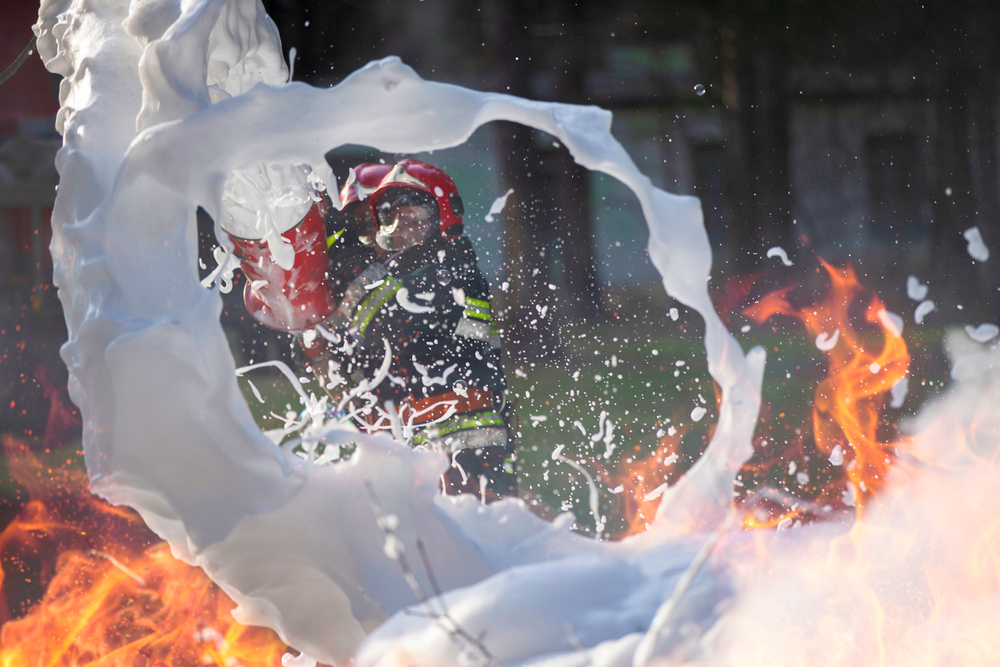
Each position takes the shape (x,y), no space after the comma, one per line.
(858,131)
(913,86)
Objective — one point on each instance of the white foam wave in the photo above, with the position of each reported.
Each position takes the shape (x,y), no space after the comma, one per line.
(174,102)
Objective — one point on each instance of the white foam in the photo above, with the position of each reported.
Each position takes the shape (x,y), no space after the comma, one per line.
(403,299)
(976,246)
(780,253)
(266,201)
(498,204)
(892,322)
(924,308)
(984,333)
(181,111)
(914,289)
(898,392)
(837,456)
(826,342)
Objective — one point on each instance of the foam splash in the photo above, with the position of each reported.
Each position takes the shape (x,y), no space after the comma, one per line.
(923,309)
(780,253)
(498,205)
(898,392)
(892,322)
(826,342)
(983,333)
(173,108)
(159,111)
(265,202)
(976,246)
(914,290)
(913,585)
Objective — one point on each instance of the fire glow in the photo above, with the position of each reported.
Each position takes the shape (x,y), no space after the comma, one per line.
(644,480)
(848,405)
(114,594)
(848,427)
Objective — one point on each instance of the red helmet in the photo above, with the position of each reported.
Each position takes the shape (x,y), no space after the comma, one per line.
(414,174)
(364,183)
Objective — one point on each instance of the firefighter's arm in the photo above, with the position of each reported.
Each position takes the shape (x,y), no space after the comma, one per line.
(353,270)
(476,322)
(473,300)
(418,305)
(350,259)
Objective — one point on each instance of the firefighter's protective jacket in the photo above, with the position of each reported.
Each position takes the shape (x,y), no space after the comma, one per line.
(420,333)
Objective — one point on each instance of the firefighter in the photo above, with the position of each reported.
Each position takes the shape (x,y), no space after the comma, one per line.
(409,345)
(430,324)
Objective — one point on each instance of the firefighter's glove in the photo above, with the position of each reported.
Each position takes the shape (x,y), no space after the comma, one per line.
(348,255)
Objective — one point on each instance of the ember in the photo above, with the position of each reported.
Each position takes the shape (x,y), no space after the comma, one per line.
(114,594)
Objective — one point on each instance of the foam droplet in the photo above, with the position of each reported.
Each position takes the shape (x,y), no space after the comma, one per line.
(892,322)
(914,289)
(837,456)
(498,205)
(780,253)
(922,311)
(984,333)
(977,247)
(826,342)
(899,391)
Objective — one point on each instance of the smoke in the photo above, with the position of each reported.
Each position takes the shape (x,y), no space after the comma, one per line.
(916,581)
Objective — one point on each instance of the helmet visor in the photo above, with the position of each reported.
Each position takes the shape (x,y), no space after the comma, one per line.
(406,217)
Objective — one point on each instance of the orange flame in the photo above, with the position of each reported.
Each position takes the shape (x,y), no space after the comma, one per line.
(846,414)
(643,480)
(115,595)
(847,404)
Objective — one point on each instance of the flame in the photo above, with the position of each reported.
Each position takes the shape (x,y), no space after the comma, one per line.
(644,479)
(114,595)
(916,580)
(847,403)
(862,366)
